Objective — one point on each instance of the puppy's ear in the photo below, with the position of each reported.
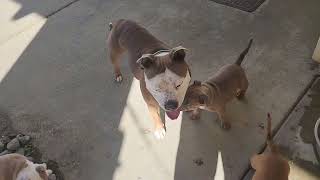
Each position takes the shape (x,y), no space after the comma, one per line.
(146,61)
(178,53)
(42,172)
(40,169)
(203,99)
(197,83)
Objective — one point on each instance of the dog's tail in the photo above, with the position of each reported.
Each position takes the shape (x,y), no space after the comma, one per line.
(110,26)
(269,135)
(270,143)
(243,54)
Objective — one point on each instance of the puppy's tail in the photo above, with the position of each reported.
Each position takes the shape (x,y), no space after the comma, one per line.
(110,26)
(243,54)
(270,143)
(269,136)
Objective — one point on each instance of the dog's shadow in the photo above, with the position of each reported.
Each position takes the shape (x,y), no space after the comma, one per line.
(206,151)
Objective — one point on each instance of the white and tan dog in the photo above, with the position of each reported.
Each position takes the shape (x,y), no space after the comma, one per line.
(18,167)
(162,71)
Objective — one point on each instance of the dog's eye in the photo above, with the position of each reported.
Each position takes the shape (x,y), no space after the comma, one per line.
(178,86)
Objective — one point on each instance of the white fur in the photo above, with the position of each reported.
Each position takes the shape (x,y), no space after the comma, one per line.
(163,87)
(30,172)
(160,133)
(161,54)
(119,79)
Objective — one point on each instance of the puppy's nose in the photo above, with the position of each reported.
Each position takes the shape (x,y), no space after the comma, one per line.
(171,105)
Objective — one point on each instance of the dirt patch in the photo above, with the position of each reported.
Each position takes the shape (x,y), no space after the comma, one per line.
(13,142)
(198,161)
(21,144)
(5,124)
(311,114)
(307,165)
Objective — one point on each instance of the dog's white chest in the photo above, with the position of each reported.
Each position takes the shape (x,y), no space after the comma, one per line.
(202,107)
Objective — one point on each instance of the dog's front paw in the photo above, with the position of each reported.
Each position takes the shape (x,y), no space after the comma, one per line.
(195,116)
(118,78)
(240,94)
(225,125)
(160,132)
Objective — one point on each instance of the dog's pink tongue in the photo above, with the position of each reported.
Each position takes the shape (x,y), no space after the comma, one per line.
(173,115)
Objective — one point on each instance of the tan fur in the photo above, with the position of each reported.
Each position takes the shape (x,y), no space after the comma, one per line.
(213,94)
(11,165)
(128,36)
(270,165)
(18,167)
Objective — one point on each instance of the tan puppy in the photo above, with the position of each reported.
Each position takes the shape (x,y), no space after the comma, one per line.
(270,165)
(162,71)
(18,167)
(213,95)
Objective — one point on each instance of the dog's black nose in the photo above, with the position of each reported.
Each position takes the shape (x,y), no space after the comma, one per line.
(171,105)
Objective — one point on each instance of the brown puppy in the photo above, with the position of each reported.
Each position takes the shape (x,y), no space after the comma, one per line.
(18,167)
(213,95)
(162,71)
(270,165)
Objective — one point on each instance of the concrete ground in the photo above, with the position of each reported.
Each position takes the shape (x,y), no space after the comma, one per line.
(56,84)
(296,136)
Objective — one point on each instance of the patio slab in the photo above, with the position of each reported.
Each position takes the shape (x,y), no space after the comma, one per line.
(60,88)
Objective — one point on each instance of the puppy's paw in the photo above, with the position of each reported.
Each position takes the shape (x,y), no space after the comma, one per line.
(160,132)
(225,125)
(49,171)
(118,78)
(195,116)
(52,177)
(240,95)
(44,165)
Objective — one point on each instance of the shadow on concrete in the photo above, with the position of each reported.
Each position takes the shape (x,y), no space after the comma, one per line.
(61,92)
(203,151)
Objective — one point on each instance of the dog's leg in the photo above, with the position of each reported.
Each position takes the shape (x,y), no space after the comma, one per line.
(225,124)
(159,126)
(115,60)
(154,111)
(240,93)
(195,114)
(115,51)
(254,161)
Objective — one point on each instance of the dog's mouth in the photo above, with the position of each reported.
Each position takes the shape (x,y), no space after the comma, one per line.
(173,115)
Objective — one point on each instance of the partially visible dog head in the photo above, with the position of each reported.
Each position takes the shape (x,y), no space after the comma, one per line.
(34,171)
(197,96)
(16,166)
(167,76)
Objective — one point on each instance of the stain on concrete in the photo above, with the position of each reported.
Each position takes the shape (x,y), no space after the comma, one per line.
(314,65)
(6,129)
(311,114)
(291,155)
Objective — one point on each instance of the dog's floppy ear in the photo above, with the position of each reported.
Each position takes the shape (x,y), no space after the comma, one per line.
(196,82)
(146,61)
(203,99)
(42,172)
(40,169)
(178,53)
